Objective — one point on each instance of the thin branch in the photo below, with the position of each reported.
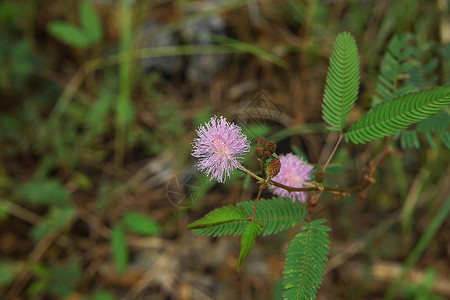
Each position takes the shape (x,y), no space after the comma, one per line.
(341,135)
(363,186)
(261,187)
(317,187)
(20,212)
(243,169)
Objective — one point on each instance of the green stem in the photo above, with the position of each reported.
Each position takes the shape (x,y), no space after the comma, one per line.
(263,170)
(243,169)
(123,106)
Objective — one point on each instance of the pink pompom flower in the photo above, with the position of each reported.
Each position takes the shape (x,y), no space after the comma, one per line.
(294,172)
(220,147)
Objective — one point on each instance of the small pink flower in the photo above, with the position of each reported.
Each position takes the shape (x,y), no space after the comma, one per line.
(294,172)
(220,147)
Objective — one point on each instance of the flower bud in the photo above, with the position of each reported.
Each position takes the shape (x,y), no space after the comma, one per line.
(320,176)
(266,154)
(261,143)
(258,153)
(273,168)
(271,147)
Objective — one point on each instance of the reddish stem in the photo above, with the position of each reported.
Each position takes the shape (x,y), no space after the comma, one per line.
(341,135)
(261,187)
(306,189)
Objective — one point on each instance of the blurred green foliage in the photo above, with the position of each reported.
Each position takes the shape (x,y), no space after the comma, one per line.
(7,273)
(141,224)
(119,247)
(90,31)
(57,280)
(44,192)
(100,295)
(55,219)
(422,291)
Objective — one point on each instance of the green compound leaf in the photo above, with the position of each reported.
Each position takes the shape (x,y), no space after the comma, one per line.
(445,136)
(275,215)
(305,261)
(406,68)
(409,140)
(90,22)
(436,123)
(225,220)
(395,65)
(342,83)
(393,116)
(251,232)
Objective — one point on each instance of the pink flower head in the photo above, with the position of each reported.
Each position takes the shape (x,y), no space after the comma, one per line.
(220,147)
(294,172)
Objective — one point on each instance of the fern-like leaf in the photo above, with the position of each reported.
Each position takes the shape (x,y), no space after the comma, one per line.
(394,67)
(342,83)
(305,261)
(251,232)
(275,215)
(407,66)
(436,123)
(424,64)
(393,116)
(445,136)
(409,139)
(226,220)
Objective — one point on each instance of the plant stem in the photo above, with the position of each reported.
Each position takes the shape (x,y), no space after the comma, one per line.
(123,105)
(263,171)
(293,189)
(243,169)
(341,135)
(363,186)
(261,187)
(306,189)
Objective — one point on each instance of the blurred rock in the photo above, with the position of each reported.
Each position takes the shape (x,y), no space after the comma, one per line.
(198,69)
(202,68)
(151,39)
